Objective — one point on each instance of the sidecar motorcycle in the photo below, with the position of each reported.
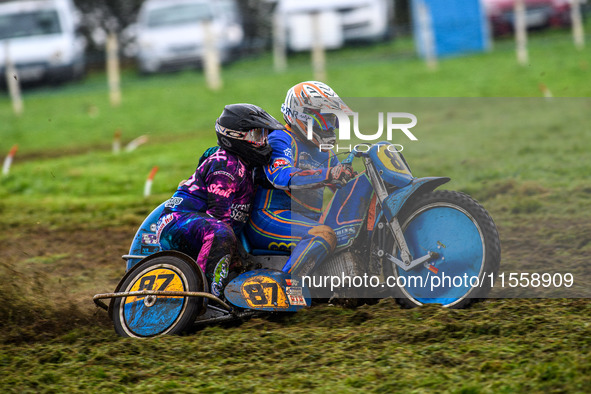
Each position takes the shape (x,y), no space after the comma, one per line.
(417,244)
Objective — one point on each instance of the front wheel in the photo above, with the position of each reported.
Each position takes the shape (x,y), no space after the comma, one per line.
(466,241)
(151,316)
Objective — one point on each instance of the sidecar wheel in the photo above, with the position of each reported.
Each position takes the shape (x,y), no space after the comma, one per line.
(151,316)
(465,237)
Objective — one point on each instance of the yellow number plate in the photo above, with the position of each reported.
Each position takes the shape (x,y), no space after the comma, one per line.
(264,292)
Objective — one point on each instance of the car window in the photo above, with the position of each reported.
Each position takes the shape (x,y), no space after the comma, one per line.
(228,7)
(28,24)
(178,15)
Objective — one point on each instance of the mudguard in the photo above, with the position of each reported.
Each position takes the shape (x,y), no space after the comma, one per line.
(267,290)
(145,241)
(395,201)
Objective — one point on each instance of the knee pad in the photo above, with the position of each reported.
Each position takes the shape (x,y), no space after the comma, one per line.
(224,230)
(326,233)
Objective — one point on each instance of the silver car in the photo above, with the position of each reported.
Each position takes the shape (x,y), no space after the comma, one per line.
(171,34)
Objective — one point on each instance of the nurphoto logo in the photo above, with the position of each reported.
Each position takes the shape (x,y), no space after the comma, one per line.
(344,126)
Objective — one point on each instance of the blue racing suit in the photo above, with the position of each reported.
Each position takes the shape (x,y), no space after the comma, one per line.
(288,203)
(206,212)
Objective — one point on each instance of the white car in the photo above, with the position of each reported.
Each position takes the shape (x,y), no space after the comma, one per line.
(170,34)
(341,21)
(40,38)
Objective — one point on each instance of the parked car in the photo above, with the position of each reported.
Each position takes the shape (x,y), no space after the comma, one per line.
(342,21)
(170,33)
(539,14)
(42,40)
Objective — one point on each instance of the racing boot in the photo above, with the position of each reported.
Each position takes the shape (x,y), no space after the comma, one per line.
(219,276)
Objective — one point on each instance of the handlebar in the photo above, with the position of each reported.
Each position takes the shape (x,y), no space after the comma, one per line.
(353,154)
(349,158)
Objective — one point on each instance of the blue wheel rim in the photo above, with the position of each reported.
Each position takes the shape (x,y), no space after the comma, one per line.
(143,319)
(452,233)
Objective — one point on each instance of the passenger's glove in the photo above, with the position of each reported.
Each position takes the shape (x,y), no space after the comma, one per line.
(341,174)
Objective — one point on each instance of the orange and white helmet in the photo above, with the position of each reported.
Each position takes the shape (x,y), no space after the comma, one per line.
(314,102)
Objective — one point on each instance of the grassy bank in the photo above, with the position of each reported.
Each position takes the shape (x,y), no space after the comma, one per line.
(179,105)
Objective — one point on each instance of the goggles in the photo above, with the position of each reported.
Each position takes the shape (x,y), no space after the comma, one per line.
(257,137)
(323,122)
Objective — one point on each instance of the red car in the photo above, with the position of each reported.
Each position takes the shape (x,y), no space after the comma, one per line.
(539,14)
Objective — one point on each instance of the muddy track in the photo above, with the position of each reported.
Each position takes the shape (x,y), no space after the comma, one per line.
(73,264)
(84,262)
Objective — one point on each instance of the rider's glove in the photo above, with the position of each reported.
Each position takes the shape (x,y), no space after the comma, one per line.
(341,174)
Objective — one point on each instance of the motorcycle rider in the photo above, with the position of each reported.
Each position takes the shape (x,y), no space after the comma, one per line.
(207,211)
(287,208)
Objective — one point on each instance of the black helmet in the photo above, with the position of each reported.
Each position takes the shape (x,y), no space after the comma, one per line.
(242,129)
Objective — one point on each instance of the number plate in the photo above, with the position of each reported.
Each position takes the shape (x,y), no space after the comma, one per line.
(267,290)
(263,292)
(30,73)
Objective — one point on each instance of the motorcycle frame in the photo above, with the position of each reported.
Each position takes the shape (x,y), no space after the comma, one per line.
(391,203)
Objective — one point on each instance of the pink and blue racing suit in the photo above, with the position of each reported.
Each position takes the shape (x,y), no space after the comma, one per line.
(207,211)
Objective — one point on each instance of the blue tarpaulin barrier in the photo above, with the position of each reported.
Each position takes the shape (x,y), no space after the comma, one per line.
(453,27)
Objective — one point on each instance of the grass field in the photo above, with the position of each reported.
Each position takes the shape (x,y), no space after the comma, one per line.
(70,207)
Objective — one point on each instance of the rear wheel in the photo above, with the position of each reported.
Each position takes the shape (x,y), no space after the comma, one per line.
(464,236)
(150,316)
